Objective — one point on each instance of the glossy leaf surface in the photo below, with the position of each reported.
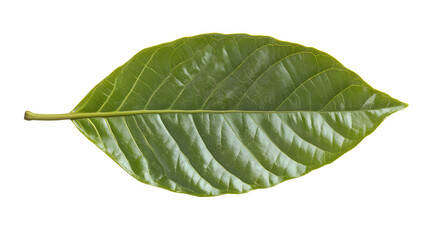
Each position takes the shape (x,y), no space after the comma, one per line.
(215,114)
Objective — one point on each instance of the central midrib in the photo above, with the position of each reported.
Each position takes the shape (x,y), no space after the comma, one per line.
(77,115)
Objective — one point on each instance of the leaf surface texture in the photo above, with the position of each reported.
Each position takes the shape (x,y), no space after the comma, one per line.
(230,113)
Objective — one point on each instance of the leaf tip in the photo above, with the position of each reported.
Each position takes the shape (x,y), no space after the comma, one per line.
(398,106)
(401,105)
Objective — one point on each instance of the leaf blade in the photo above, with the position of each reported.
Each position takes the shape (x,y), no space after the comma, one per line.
(281,110)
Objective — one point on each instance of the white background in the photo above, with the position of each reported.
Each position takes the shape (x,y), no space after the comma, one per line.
(55,184)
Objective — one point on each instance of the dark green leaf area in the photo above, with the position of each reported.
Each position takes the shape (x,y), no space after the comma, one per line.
(259,111)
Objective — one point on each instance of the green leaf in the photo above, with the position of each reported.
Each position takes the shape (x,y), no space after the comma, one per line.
(214,114)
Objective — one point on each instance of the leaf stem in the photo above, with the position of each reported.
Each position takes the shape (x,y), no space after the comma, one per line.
(49,117)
